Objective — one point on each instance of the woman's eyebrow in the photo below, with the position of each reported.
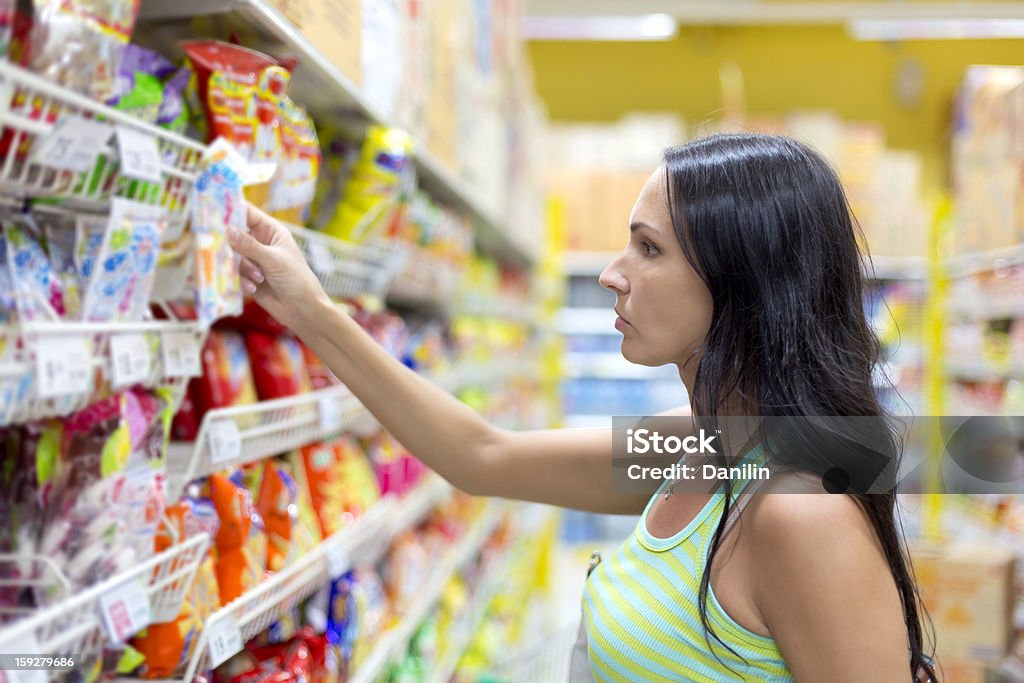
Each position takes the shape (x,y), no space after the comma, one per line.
(640,225)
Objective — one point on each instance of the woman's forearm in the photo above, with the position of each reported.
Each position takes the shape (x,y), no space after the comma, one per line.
(447,435)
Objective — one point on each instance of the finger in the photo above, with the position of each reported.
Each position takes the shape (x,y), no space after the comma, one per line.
(247,245)
(248,286)
(251,271)
(262,226)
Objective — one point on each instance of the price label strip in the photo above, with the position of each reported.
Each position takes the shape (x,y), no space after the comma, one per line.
(330,415)
(63,365)
(125,610)
(224,638)
(225,441)
(140,154)
(131,359)
(338,561)
(180,355)
(74,144)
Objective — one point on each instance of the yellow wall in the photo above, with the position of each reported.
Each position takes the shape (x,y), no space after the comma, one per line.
(784,68)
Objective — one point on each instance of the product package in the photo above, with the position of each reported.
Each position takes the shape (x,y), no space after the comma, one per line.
(75,43)
(381,180)
(278,366)
(139,88)
(237,568)
(217,206)
(227,378)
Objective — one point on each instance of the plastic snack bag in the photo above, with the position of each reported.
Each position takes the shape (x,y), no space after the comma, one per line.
(78,43)
(277,498)
(294,185)
(278,366)
(121,271)
(381,179)
(217,205)
(38,289)
(139,88)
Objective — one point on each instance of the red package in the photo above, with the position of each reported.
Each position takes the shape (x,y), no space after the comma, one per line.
(186,421)
(227,77)
(227,379)
(277,364)
(253,317)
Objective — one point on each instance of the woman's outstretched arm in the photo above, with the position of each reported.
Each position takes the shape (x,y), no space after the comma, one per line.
(569,468)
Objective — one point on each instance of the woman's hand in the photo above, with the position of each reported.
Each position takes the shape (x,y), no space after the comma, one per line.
(274,271)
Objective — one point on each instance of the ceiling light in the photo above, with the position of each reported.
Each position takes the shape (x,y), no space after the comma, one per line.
(644,27)
(934,29)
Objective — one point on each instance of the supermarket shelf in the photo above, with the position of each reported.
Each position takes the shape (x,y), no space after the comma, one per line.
(397,639)
(323,88)
(348,270)
(44,357)
(238,435)
(899,268)
(986,308)
(970,264)
(74,626)
(587,321)
(980,369)
(91,189)
(582,263)
(579,365)
(242,434)
(466,628)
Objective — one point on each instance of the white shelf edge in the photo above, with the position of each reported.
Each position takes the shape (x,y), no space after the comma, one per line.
(970,264)
(898,268)
(398,637)
(979,369)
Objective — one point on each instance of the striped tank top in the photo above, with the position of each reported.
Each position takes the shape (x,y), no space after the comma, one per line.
(641,611)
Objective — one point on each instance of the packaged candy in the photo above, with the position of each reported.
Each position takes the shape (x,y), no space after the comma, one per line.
(173,113)
(276,503)
(294,185)
(38,289)
(167,647)
(314,467)
(237,570)
(76,43)
(119,273)
(405,568)
(358,614)
(381,179)
(278,366)
(139,88)
(217,205)
(227,77)
(227,378)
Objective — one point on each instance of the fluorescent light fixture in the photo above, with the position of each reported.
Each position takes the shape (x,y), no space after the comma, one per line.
(643,27)
(934,29)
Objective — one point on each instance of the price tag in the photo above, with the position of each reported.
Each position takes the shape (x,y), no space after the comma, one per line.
(25,645)
(73,144)
(181,355)
(125,610)
(63,366)
(330,415)
(224,638)
(131,359)
(225,441)
(140,155)
(338,561)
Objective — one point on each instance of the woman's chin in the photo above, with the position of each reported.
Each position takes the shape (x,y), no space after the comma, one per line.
(636,356)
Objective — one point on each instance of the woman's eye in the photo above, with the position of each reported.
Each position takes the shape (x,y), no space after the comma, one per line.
(649,249)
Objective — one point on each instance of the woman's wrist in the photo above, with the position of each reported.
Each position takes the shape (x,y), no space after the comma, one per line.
(313,315)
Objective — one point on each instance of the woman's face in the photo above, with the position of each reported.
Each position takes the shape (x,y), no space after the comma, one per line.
(664,307)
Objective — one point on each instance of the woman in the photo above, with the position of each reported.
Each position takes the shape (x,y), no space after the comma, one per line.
(742,269)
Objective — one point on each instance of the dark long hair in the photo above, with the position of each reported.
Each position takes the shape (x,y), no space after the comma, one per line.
(765,222)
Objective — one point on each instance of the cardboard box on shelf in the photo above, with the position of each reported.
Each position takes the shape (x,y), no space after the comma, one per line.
(335,28)
(968,591)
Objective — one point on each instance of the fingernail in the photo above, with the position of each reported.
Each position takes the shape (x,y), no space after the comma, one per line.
(258,276)
(233,234)
(249,287)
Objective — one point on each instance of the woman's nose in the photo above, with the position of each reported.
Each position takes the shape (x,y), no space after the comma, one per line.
(612,278)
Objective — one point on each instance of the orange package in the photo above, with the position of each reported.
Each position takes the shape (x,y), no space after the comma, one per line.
(237,568)
(278,493)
